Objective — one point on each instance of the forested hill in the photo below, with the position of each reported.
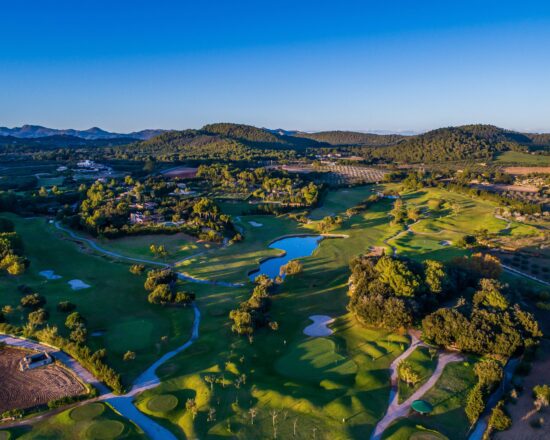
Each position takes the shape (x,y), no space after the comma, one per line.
(353,138)
(15,144)
(260,138)
(458,143)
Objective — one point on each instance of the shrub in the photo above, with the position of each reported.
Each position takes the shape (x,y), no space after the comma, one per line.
(65,306)
(498,419)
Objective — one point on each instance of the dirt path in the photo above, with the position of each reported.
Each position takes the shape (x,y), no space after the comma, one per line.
(396,410)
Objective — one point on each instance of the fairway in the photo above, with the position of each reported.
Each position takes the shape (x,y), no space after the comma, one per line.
(115,306)
(93,421)
(337,201)
(315,360)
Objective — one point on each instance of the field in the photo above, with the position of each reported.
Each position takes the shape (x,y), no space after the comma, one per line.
(93,421)
(178,246)
(337,201)
(525,159)
(20,390)
(118,315)
(281,380)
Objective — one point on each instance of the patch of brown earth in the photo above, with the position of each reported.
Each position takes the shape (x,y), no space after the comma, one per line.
(522,410)
(25,389)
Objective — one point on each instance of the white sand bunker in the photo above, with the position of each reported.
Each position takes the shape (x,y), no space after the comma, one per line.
(255,224)
(445,243)
(49,274)
(78,284)
(319,326)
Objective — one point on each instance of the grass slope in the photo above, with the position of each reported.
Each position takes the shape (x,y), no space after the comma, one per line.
(115,305)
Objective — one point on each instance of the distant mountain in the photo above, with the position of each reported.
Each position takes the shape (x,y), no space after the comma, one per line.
(12,143)
(37,131)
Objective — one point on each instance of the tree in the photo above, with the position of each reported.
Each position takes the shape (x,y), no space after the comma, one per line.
(43,192)
(475,403)
(407,374)
(74,320)
(38,317)
(129,356)
(191,406)
(397,276)
(65,306)
(33,301)
(79,334)
(137,269)
(435,276)
(162,294)
(489,372)
(490,295)
(253,412)
(541,393)
(498,419)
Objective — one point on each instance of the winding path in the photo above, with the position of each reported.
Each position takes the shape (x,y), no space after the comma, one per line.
(396,410)
(181,275)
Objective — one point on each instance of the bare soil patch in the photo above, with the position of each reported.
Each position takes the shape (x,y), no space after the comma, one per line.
(181,172)
(522,410)
(20,390)
(526,170)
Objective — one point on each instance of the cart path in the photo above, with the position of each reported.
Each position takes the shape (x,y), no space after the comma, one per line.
(124,404)
(181,275)
(396,410)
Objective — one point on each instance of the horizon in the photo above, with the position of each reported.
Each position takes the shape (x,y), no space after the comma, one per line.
(359,67)
(403,132)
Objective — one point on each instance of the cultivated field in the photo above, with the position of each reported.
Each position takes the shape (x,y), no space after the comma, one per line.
(19,390)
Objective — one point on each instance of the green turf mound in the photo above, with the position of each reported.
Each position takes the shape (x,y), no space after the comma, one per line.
(105,430)
(424,435)
(316,360)
(87,412)
(162,403)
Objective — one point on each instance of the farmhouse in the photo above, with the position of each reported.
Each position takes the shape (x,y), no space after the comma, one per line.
(34,361)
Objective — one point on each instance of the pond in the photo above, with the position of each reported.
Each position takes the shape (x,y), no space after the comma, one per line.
(294,247)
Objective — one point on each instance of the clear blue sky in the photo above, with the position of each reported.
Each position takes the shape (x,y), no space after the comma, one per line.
(310,65)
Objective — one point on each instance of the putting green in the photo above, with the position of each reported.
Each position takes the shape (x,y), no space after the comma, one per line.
(105,429)
(162,403)
(426,436)
(87,412)
(315,360)
(131,334)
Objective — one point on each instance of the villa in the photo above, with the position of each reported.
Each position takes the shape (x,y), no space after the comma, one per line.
(35,360)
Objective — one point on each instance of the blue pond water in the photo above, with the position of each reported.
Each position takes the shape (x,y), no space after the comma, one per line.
(294,247)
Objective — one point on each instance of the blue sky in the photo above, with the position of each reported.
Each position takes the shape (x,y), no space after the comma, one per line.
(309,65)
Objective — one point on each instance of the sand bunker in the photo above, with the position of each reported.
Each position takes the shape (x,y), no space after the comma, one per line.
(49,275)
(445,243)
(78,284)
(255,224)
(319,326)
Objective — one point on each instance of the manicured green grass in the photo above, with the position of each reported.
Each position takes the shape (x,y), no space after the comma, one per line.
(424,365)
(91,424)
(525,159)
(448,398)
(338,201)
(408,430)
(50,181)
(115,305)
(87,412)
(163,403)
(178,246)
